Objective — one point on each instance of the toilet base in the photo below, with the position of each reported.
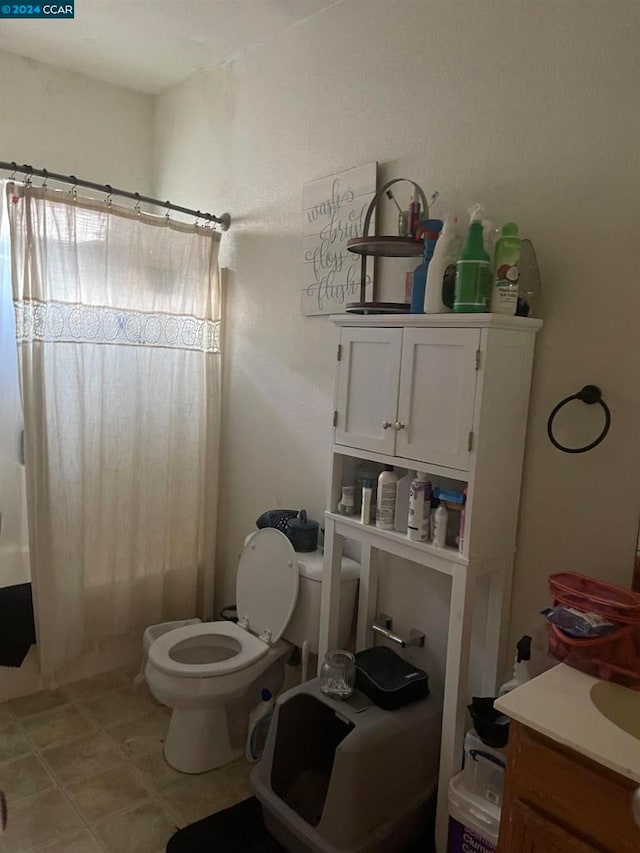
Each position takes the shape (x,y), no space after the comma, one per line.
(198,740)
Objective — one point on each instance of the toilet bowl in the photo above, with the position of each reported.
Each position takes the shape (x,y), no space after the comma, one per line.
(211,673)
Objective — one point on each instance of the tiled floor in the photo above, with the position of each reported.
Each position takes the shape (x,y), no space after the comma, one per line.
(83,770)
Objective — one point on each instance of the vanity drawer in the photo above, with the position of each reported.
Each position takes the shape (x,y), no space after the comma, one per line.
(583,796)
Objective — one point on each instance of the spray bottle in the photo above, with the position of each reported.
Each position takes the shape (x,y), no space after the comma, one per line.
(521,666)
(473,287)
(430,229)
(441,275)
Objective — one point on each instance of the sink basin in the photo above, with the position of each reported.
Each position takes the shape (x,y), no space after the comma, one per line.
(619,705)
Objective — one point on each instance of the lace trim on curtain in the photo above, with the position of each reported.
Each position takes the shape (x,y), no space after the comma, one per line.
(66,322)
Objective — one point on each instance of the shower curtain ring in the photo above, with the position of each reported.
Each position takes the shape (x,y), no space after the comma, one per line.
(74,188)
(28,176)
(167,217)
(14,166)
(45,179)
(196,224)
(137,204)
(109,196)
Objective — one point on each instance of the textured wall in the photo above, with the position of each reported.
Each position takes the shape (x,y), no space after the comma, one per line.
(69,123)
(530,107)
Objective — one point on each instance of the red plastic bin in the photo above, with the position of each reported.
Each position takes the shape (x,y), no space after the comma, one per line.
(594,596)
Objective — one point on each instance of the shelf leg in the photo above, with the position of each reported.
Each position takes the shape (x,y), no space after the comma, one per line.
(330,598)
(367,595)
(455,694)
(497,620)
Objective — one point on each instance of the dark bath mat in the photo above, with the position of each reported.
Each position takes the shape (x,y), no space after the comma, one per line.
(238,829)
(17,629)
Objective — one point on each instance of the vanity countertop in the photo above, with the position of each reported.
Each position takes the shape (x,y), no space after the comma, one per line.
(558,704)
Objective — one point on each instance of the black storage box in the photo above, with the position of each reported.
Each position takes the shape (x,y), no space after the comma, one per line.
(388,680)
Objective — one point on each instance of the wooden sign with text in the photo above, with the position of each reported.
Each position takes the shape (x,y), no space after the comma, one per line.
(333,211)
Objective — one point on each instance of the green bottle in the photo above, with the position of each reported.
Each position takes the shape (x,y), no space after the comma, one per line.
(473,289)
(504,296)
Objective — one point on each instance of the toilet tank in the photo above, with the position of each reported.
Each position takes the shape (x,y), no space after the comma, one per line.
(305,622)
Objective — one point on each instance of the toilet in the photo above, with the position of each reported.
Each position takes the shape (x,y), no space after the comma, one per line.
(211,674)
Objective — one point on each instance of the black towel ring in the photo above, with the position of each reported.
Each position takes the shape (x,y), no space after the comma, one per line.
(590,394)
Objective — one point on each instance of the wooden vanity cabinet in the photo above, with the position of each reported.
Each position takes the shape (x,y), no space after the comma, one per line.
(557,801)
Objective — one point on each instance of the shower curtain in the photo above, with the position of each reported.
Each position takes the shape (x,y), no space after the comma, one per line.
(118,320)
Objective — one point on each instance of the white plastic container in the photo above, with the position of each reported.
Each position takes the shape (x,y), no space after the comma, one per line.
(442,267)
(440,522)
(484,769)
(418,522)
(474,824)
(386,506)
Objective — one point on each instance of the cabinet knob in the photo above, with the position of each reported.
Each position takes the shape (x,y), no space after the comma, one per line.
(398,426)
(386,424)
(635,806)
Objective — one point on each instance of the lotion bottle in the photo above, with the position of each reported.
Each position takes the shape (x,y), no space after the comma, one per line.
(504,293)
(386,505)
(419,508)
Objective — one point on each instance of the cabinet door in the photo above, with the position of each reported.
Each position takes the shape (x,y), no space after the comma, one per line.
(529,832)
(437,389)
(367,394)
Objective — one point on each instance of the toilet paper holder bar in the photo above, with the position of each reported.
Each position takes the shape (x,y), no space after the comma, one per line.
(383,626)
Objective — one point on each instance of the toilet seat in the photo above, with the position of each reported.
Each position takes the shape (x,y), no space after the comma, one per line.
(249,649)
(267,584)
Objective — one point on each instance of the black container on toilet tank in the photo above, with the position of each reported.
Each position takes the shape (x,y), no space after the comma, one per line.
(303,532)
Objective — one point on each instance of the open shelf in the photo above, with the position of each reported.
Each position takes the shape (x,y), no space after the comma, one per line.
(394,542)
(386,247)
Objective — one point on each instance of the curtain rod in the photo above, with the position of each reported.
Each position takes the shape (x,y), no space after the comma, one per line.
(224,221)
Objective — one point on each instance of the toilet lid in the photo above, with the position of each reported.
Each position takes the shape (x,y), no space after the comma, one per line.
(267,583)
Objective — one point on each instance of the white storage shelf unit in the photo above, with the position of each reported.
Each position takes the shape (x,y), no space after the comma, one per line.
(447,394)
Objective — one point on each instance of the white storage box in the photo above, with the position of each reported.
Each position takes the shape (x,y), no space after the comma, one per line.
(484,769)
(474,824)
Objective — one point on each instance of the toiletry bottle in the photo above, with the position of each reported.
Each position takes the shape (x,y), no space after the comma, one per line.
(472,274)
(414,214)
(440,521)
(366,471)
(419,508)
(431,228)
(463,519)
(403,487)
(346,505)
(386,507)
(367,493)
(504,296)
(441,275)
(259,720)
(521,666)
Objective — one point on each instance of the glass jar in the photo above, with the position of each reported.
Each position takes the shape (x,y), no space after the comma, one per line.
(338,674)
